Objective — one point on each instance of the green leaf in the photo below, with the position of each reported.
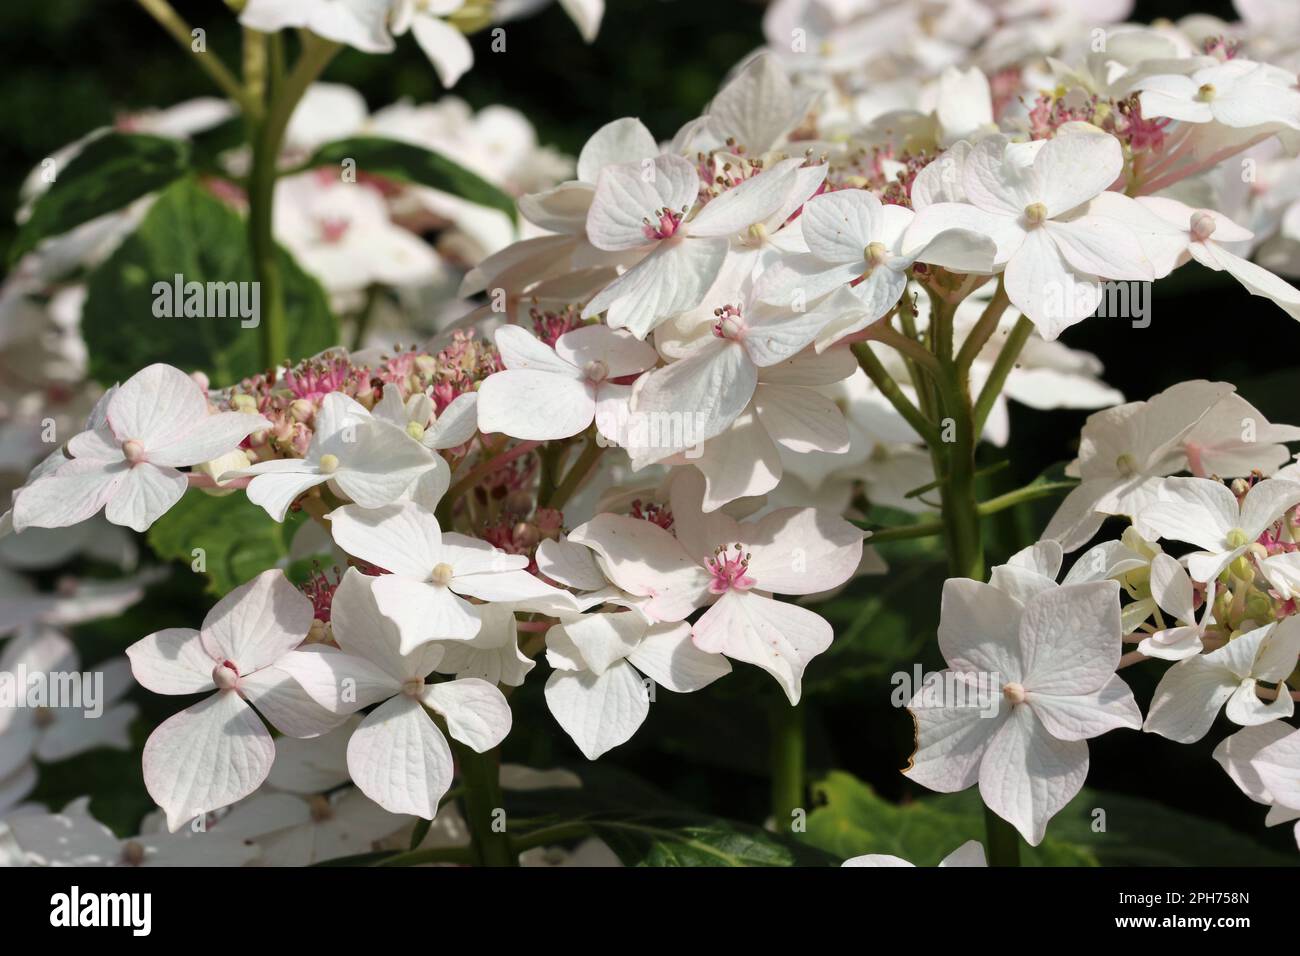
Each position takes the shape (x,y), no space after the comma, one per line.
(239,539)
(853,821)
(408,163)
(611,805)
(108,174)
(207,146)
(190,233)
(665,840)
(1136,832)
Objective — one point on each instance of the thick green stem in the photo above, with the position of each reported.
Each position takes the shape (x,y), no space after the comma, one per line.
(961,513)
(267,136)
(484,809)
(787,761)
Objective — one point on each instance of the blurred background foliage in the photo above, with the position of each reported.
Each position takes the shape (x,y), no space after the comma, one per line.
(72,65)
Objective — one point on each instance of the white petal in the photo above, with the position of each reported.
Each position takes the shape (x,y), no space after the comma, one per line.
(1188,698)
(476,712)
(360,628)
(621,141)
(753,201)
(1277,763)
(617,351)
(457,423)
(674,278)
(838,226)
(645,560)
(605,639)
(741,462)
(210,437)
(399,758)
(520,350)
(337,681)
(669,657)
(1083,716)
(156,406)
(956,715)
(282,700)
(1045,289)
(1256,279)
(424,612)
(534,405)
(276,491)
(801,419)
(1099,246)
(1076,167)
(979,628)
(1070,638)
(401,538)
(172,661)
(145,494)
(599,711)
(206,757)
(1195,510)
(445,46)
(1172,588)
(1237,755)
(801,550)
(257,622)
(380,464)
(779,637)
(570,564)
(1266,502)
(1027,775)
(629,194)
(712,386)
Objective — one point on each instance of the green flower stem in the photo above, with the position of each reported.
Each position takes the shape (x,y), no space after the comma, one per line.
(889,388)
(961,509)
(481,799)
(558,833)
(926,529)
(209,63)
(985,327)
(267,135)
(576,473)
(787,762)
(1006,360)
(439,854)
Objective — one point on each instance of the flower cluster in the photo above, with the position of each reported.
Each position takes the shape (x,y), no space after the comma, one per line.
(652,440)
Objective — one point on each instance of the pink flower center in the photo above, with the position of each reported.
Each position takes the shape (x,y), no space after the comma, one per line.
(730,570)
(225,675)
(728,323)
(333,230)
(665,225)
(656,514)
